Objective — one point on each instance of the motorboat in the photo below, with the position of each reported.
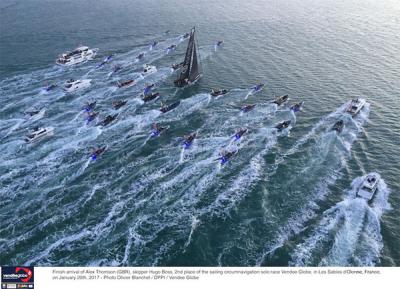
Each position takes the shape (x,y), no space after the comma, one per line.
(148,69)
(79,55)
(108,119)
(338,126)
(74,85)
(39,133)
(218,92)
(166,108)
(283,125)
(117,104)
(369,186)
(297,106)
(355,106)
(150,96)
(247,107)
(126,83)
(281,99)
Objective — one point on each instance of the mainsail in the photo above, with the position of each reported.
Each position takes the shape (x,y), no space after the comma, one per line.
(190,71)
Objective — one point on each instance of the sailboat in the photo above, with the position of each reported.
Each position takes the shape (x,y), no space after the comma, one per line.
(190,68)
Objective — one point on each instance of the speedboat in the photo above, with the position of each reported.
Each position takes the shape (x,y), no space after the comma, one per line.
(257,88)
(219,43)
(150,96)
(108,119)
(39,133)
(225,156)
(91,116)
(117,104)
(369,186)
(158,130)
(282,125)
(97,152)
(89,106)
(217,92)
(355,106)
(74,85)
(148,69)
(148,88)
(281,99)
(297,106)
(338,126)
(239,133)
(248,107)
(126,83)
(106,60)
(170,48)
(79,55)
(166,108)
(189,140)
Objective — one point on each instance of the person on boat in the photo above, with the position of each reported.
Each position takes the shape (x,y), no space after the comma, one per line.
(338,126)
(140,56)
(189,139)
(91,116)
(258,87)
(247,107)
(157,130)
(148,88)
(89,106)
(239,133)
(281,99)
(96,152)
(297,106)
(225,156)
(50,87)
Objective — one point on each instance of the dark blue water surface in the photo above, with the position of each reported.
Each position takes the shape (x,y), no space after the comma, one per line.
(286,198)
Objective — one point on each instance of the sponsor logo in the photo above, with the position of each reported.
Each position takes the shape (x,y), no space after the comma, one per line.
(20,277)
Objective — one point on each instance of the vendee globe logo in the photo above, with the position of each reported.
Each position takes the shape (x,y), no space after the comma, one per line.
(27,271)
(16,274)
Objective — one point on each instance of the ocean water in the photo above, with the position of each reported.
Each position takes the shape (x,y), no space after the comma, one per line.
(286,199)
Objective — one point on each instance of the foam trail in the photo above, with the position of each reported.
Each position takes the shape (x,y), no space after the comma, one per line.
(348,234)
(327,174)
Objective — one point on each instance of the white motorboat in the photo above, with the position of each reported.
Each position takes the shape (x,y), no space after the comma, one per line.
(355,106)
(74,85)
(148,69)
(79,55)
(369,186)
(38,134)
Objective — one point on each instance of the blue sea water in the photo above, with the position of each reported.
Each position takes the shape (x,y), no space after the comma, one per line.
(285,199)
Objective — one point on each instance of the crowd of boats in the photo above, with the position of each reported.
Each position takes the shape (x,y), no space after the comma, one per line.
(189,73)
